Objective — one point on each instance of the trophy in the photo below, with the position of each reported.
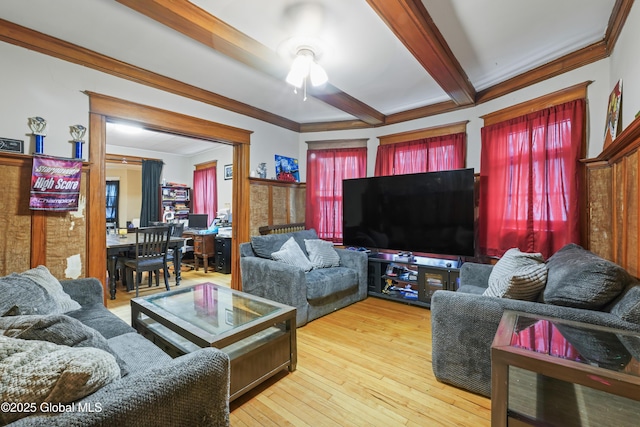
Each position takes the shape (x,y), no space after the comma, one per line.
(77,132)
(38,125)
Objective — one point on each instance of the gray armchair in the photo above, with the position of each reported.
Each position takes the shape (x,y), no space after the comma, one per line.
(314,293)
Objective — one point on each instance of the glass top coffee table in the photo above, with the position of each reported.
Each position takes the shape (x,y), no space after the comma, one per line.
(259,335)
(549,371)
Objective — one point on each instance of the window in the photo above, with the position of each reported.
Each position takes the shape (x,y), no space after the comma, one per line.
(423,150)
(326,168)
(205,190)
(529,183)
(113,192)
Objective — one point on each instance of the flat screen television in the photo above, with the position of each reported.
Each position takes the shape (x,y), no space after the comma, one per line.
(199,221)
(431,213)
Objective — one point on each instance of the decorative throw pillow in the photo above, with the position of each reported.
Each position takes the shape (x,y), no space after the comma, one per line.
(264,246)
(581,279)
(321,253)
(517,275)
(25,296)
(291,254)
(628,308)
(43,277)
(58,329)
(39,371)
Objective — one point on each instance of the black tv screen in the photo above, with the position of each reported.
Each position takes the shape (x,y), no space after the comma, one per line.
(430,212)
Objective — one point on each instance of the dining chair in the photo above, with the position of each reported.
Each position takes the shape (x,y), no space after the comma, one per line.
(150,254)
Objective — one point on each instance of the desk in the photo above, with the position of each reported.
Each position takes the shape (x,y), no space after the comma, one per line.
(117,245)
(203,247)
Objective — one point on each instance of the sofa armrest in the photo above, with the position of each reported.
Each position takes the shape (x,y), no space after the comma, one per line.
(358,261)
(475,274)
(464,325)
(86,291)
(274,280)
(190,390)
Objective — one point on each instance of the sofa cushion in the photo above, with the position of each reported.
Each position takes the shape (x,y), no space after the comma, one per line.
(26,295)
(290,253)
(57,329)
(322,253)
(329,282)
(628,308)
(581,279)
(43,277)
(264,246)
(33,372)
(517,275)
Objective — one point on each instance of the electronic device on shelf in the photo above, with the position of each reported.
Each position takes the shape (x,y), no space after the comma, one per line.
(428,213)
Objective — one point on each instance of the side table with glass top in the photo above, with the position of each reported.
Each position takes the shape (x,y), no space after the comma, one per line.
(259,335)
(555,372)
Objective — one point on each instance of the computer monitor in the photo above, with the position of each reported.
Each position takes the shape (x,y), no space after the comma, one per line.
(199,221)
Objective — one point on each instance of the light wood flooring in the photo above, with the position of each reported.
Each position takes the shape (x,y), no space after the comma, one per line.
(368,364)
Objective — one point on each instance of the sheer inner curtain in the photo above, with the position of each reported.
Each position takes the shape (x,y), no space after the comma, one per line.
(205,192)
(529,181)
(151,173)
(424,155)
(325,171)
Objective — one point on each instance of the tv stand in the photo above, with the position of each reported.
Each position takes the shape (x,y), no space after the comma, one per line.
(411,279)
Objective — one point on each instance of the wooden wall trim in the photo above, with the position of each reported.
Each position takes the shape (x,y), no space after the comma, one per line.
(329,144)
(166,121)
(275,182)
(571,93)
(624,144)
(125,158)
(413,135)
(206,165)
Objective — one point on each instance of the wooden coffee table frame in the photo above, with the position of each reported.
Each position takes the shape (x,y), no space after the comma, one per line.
(258,349)
(504,355)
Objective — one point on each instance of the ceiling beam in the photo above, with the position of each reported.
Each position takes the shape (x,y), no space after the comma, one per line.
(197,24)
(411,23)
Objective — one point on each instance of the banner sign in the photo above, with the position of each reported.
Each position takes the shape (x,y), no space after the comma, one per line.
(55,184)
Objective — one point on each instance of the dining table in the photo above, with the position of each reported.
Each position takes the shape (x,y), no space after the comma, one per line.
(122,244)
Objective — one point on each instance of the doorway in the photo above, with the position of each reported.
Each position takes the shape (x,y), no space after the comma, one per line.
(105,108)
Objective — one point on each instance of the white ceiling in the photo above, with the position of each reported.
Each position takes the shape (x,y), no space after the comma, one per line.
(493,40)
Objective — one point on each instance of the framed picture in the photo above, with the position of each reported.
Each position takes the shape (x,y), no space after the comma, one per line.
(11,145)
(228,171)
(287,169)
(614,109)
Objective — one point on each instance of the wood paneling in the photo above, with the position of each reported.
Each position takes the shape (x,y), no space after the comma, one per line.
(275,203)
(15,216)
(613,182)
(39,237)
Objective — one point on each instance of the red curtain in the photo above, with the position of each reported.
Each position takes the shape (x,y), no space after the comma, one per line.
(325,171)
(529,182)
(205,193)
(424,155)
(544,337)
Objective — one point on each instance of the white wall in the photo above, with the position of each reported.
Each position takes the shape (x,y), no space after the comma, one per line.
(625,65)
(598,93)
(33,84)
(223,154)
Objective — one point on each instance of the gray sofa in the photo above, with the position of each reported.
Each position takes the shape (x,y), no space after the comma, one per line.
(313,293)
(192,390)
(580,287)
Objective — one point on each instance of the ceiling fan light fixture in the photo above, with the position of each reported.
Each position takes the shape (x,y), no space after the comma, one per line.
(317,74)
(304,66)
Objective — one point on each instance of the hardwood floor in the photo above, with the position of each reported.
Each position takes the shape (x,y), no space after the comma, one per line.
(368,364)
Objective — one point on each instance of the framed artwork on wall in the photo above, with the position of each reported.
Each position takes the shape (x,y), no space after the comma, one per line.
(614,110)
(228,171)
(287,169)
